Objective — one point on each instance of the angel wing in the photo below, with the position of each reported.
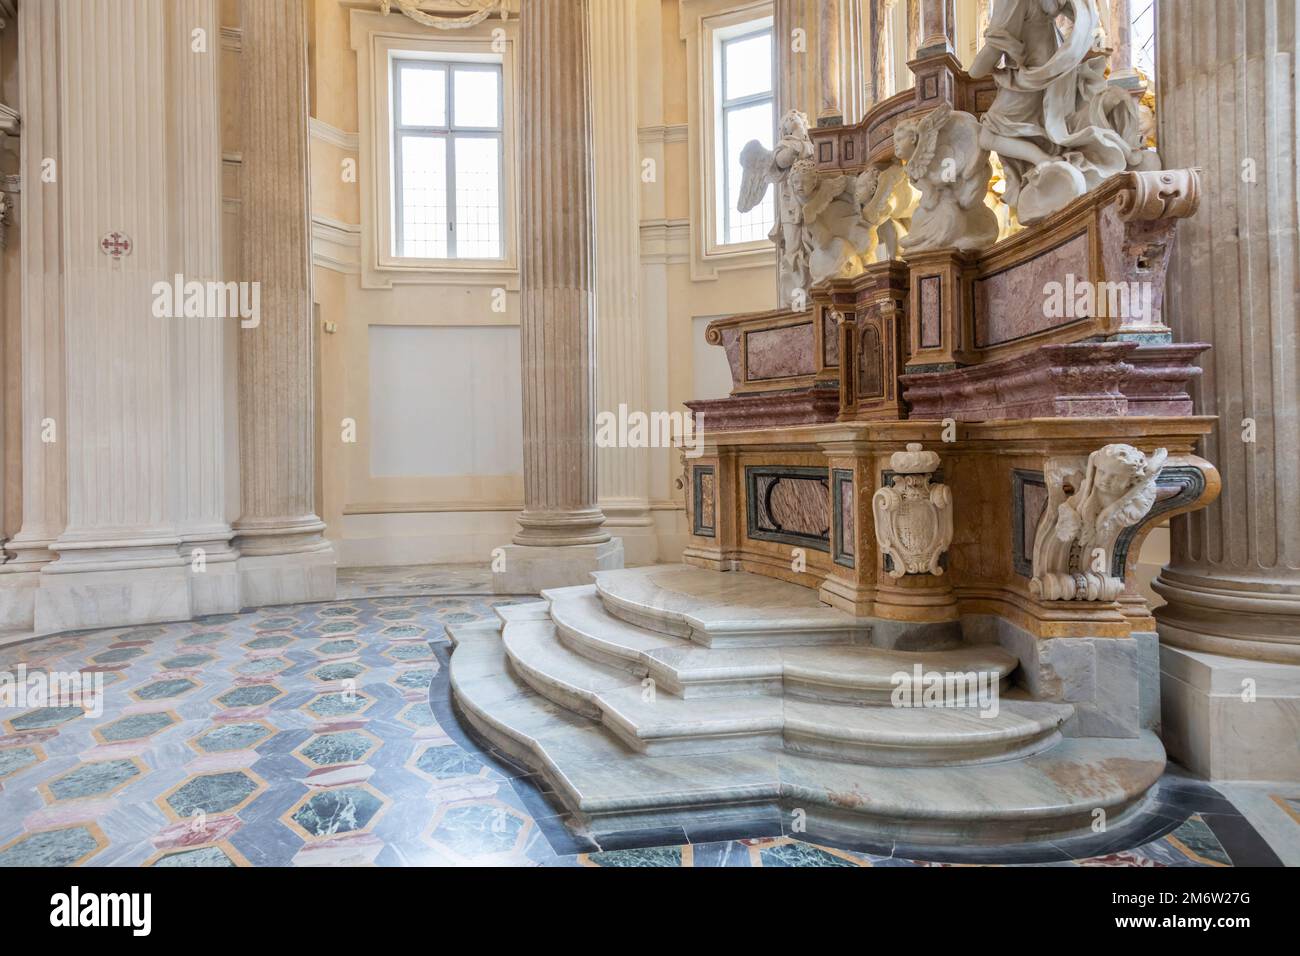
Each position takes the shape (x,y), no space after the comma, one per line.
(757,165)
(927,140)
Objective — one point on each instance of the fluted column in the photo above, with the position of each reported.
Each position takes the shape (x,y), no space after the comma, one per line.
(561,536)
(284,554)
(199,364)
(1229,105)
(623,478)
(42,487)
(559,310)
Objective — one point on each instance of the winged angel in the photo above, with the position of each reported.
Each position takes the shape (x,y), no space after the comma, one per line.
(945,161)
(1076,536)
(764,167)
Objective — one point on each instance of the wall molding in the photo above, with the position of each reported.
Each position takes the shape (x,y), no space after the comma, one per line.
(324,132)
(336,244)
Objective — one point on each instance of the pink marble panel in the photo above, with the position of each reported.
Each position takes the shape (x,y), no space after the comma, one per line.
(780,353)
(1009,305)
(931,312)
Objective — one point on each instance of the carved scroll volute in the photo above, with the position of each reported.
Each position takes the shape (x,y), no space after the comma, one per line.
(1160,194)
(913,515)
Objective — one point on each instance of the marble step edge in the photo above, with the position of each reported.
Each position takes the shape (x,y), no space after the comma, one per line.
(664,724)
(1045,796)
(819,673)
(782,626)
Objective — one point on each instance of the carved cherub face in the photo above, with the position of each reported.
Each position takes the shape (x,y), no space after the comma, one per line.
(803,177)
(1115,475)
(794,124)
(905,138)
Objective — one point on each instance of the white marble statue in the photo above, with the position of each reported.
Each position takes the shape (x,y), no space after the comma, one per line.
(1058,128)
(888,201)
(834,232)
(1076,536)
(913,516)
(945,161)
(763,167)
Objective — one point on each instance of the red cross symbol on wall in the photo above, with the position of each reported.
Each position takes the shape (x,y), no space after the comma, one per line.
(115,245)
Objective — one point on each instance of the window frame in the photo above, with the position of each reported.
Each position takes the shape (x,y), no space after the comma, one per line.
(448,133)
(724,106)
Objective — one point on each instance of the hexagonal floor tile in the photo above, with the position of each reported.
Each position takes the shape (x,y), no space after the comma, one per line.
(42,718)
(215,854)
(203,638)
(225,737)
(344,648)
(211,793)
(403,632)
(250,695)
(398,614)
(419,714)
(337,628)
(269,642)
(338,704)
(14,759)
(97,779)
(418,679)
(338,610)
(339,670)
(134,726)
(326,813)
(117,655)
(278,623)
(449,762)
(343,747)
(163,689)
(482,829)
(63,847)
(262,666)
(182,662)
(410,651)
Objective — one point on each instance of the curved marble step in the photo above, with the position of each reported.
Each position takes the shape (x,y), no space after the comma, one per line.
(651,721)
(736,609)
(850,673)
(1049,795)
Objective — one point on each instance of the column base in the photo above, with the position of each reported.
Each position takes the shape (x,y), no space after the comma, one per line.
(76,600)
(1229,718)
(528,570)
(18,597)
(302,577)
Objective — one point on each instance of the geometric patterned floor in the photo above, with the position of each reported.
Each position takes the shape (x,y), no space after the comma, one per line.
(324,735)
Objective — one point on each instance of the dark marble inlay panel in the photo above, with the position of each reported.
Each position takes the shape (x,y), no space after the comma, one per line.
(789,504)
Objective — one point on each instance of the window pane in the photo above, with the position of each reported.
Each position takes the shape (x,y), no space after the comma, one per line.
(478,197)
(748,66)
(476,96)
(424,96)
(423,203)
(742,125)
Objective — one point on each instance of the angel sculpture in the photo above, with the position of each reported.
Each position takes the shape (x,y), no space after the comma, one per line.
(763,167)
(833,228)
(887,201)
(945,161)
(1076,536)
(1057,126)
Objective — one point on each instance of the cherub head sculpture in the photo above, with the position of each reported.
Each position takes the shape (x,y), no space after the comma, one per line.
(804,178)
(794,125)
(906,135)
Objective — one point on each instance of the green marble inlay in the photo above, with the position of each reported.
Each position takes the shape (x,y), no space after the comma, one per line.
(800,854)
(276,624)
(421,715)
(479,829)
(1195,834)
(459,618)
(343,670)
(118,655)
(266,643)
(404,630)
(410,652)
(333,705)
(347,746)
(92,779)
(339,610)
(231,737)
(44,717)
(339,647)
(337,811)
(212,793)
(251,696)
(136,726)
(207,637)
(13,759)
(403,615)
(338,627)
(448,763)
(186,661)
(201,856)
(416,679)
(52,848)
(161,690)
(266,665)
(650,856)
